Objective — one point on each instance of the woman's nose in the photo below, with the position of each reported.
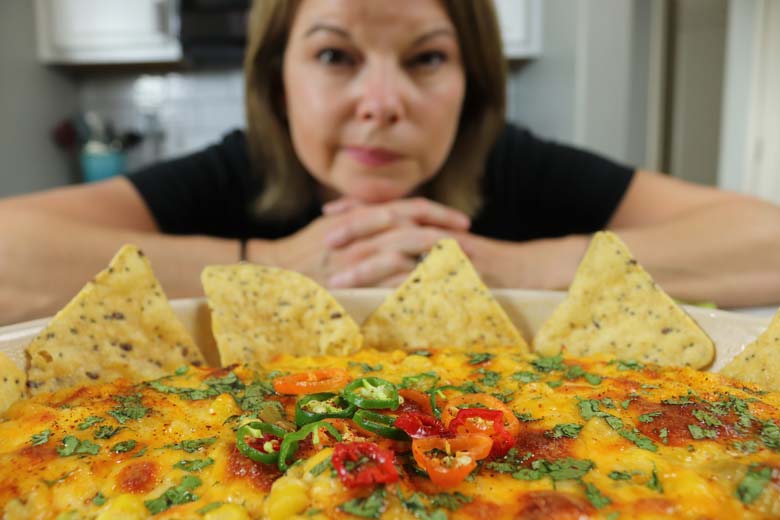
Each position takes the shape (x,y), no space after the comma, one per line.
(380,99)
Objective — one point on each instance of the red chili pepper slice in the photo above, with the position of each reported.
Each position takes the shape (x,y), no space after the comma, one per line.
(487,422)
(419,425)
(373,465)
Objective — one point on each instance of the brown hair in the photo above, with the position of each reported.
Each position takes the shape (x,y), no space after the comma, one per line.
(288,188)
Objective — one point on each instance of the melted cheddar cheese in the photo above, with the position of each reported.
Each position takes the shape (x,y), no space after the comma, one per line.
(598,439)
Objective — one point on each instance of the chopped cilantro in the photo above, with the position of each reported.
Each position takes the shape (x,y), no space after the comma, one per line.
(648,417)
(747,447)
(105,432)
(475,358)
(626,403)
(524,377)
(130,407)
(89,421)
(562,469)
(175,495)
(469,387)
(570,430)
(655,483)
(753,483)
(595,496)
(770,435)
(505,397)
(40,438)
(593,379)
(664,435)
(209,507)
(124,447)
(576,371)
(73,446)
(451,501)
(254,396)
(631,434)
(509,463)
(707,418)
(619,475)
(525,417)
(698,433)
(365,367)
(99,499)
(488,377)
(548,364)
(50,483)
(682,400)
(371,506)
(627,365)
(590,408)
(194,465)
(415,505)
(423,353)
(192,445)
(181,370)
(555,383)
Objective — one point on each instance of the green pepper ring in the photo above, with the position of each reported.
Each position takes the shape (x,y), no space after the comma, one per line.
(379,424)
(389,400)
(290,442)
(252,430)
(304,417)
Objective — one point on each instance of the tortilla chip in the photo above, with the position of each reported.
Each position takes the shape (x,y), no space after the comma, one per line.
(119,325)
(12,382)
(759,362)
(259,312)
(615,307)
(443,303)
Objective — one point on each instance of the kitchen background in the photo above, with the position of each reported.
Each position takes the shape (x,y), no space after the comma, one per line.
(683,86)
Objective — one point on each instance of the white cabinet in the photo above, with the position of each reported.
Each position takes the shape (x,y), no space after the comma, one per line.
(107,31)
(521,27)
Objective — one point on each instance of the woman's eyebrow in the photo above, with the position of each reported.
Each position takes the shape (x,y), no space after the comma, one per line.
(443,31)
(325,27)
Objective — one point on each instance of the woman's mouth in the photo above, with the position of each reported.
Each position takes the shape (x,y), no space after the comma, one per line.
(372,156)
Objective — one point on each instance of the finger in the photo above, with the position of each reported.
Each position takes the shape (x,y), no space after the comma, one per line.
(412,241)
(394,281)
(361,223)
(341,205)
(428,212)
(372,271)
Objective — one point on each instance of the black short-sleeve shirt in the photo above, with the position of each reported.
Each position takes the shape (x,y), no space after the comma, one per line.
(532,188)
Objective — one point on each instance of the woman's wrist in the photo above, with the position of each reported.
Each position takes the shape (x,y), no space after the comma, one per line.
(547,264)
(263,252)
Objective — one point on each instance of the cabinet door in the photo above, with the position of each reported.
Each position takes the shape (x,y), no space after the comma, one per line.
(102,31)
(521,27)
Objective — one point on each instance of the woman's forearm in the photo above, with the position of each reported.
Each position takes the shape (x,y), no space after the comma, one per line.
(727,253)
(45,260)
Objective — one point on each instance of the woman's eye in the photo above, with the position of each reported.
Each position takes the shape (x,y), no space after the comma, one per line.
(332,56)
(429,59)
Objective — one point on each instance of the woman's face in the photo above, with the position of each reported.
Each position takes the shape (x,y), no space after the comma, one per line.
(373,93)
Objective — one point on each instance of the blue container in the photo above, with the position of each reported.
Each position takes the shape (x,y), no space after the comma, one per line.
(98,165)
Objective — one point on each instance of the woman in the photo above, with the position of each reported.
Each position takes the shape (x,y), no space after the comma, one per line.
(376,128)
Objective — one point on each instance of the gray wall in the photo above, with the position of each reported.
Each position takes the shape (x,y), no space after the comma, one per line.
(589,88)
(32,100)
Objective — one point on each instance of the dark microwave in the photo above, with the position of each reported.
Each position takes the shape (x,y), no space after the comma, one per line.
(213,32)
